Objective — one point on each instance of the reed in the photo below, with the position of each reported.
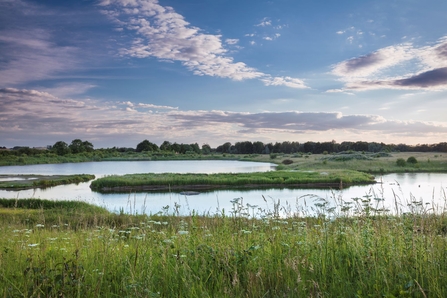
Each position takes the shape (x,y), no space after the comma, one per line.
(224,180)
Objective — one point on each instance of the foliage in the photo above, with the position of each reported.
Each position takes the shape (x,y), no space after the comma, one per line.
(61,148)
(146,146)
(400,162)
(287,161)
(412,160)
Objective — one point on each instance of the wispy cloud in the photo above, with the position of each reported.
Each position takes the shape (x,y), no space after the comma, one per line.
(166,35)
(30,55)
(231,40)
(401,66)
(39,116)
(265,22)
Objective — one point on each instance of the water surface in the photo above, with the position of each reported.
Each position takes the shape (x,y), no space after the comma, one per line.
(396,192)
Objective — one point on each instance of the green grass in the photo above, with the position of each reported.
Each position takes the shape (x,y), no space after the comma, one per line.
(427,162)
(363,252)
(169,181)
(41,181)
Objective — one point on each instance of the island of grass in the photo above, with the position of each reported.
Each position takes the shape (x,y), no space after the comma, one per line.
(18,182)
(286,179)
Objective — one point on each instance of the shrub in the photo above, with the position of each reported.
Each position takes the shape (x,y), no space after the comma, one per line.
(287,161)
(412,160)
(400,162)
(273,155)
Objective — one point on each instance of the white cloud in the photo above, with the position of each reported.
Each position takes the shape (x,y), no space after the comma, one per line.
(232,40)
(285,81)
(34,116)
(166,35)
(373,63)
(156,107)
(265,22)
(401,66)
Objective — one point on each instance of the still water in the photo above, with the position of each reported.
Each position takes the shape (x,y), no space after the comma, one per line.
(395,192)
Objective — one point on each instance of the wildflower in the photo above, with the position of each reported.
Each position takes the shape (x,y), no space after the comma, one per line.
(40,226)
(33,245)
(183,232)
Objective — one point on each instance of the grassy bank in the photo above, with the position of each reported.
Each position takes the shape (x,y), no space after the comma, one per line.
(46,251)
(40,181)
(358,161)
(169,181)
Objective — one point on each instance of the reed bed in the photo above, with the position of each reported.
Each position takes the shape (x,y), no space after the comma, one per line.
(246,180)
(352,249)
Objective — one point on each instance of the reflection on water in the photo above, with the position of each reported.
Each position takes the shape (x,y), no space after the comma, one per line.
(393,192)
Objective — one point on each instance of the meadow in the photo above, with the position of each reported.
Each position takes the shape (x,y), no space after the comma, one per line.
(353,249)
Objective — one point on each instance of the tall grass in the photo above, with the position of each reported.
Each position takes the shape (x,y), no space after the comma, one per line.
(247,180)
(354,249)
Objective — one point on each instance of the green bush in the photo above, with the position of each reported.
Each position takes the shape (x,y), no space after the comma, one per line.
(412,160)
(287,161)
(400,162)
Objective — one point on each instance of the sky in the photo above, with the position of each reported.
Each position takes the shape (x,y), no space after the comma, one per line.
(116,72)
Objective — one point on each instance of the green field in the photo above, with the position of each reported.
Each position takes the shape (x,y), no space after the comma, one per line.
(72,249)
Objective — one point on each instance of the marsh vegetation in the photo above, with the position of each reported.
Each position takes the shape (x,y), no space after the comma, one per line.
(72,249)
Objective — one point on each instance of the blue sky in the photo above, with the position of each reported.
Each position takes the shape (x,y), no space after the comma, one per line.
(116,72)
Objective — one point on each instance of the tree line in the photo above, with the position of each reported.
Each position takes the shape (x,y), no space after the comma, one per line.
(245,147)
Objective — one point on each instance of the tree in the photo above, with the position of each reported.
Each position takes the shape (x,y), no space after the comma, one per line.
(206,149)
(76,146)
(258,147)
(166,146)
(146,146)
(88,147)
(61,148)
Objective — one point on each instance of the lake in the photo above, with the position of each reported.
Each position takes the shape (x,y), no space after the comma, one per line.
(396,192)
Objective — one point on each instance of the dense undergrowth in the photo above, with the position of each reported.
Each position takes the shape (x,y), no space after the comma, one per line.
(354,249)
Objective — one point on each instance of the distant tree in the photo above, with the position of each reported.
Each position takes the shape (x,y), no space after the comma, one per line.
(76,146)
(88,147)
(258,147)
(224,148)
(60,148)
(206,149)
(195,148)
(166,146)
(175,147)
(146,146)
